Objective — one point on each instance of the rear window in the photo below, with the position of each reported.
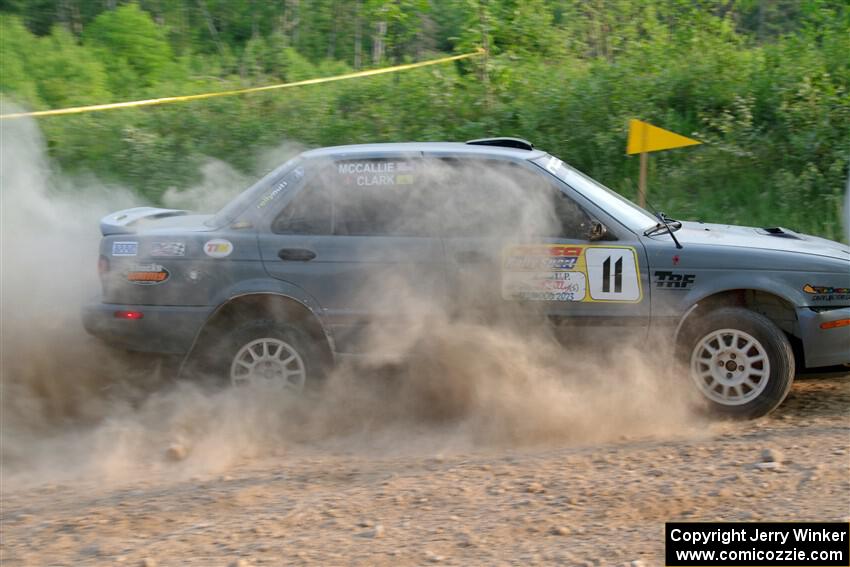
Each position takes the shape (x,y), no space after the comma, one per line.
(261,194)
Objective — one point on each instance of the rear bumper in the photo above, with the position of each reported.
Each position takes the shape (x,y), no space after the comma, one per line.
(824,347)
(162,329)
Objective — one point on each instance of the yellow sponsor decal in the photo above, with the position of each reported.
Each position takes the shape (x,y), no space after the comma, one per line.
(571,272)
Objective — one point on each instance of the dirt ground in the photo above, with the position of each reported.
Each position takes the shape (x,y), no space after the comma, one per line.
(601,504)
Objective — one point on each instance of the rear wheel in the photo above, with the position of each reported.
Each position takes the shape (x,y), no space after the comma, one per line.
(267,354)
(739,360)
(268,360)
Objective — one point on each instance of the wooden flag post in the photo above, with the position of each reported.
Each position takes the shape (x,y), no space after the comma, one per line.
(645,138)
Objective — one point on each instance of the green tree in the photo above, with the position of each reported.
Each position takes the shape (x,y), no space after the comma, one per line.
(17,47)
(131,46)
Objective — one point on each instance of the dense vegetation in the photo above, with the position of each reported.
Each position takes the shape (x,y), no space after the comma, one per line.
(765,83)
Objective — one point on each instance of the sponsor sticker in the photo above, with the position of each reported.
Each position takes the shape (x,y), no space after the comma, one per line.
(125,248)
(552,164)
(218,248)
(827,292)
(673,280)
(147,274)
(170,249)
(820,289)
(557,272)
(271,195)
(541,286)
(278,187)
(536,258)
(376,172)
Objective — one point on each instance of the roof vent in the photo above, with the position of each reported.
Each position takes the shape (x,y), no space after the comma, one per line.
(778,231)
(517,143)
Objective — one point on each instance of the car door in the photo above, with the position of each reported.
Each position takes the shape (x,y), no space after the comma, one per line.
(518,243)
(351,237)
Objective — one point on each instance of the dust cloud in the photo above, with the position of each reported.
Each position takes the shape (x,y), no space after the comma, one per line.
(456,376)
(220,182)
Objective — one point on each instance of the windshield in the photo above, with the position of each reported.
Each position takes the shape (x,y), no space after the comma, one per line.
(260,193)
(614,204)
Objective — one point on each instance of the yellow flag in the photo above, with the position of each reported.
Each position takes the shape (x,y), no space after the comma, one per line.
(644,137)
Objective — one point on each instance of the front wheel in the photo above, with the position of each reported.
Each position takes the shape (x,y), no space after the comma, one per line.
(740,361)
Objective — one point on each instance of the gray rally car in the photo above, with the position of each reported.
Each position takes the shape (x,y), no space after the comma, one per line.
(288,277)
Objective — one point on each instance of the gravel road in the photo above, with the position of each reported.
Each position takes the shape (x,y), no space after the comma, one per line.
(325,504)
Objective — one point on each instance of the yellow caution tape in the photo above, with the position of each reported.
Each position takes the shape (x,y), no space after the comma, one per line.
(170,99)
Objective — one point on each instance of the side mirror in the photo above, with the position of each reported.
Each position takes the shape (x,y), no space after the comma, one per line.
(598,231)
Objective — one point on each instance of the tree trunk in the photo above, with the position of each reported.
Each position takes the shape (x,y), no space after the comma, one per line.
(484,19)
(332,35)
(358,35)
(76,19)
(378,42)
(292,20)
(211,27)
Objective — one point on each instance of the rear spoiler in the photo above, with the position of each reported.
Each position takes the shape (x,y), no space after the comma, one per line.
(122,222)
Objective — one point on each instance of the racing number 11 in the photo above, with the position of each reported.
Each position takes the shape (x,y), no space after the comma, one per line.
(612,274)
(618,275)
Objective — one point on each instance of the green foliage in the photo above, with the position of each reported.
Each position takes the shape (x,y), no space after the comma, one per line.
(16,46)
(131,45)
(397,22)
(764,83)
(66,73)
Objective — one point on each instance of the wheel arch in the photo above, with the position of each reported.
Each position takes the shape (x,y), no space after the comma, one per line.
(780,310)
(276,306)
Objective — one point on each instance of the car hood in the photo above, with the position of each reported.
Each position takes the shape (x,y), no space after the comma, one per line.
(773,238)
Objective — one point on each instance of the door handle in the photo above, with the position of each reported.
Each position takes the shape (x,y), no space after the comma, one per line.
(296,254)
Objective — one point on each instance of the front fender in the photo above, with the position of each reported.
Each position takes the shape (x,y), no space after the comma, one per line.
(765,282)
(768,282)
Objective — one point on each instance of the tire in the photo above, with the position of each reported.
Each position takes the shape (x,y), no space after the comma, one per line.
(739,360)
(268,353)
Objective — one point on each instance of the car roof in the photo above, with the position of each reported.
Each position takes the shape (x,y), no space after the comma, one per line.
(432,148)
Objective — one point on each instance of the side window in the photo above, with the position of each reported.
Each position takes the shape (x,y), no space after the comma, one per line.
(406,197)
(502,199)
(309,212)
(574,222)
(382,197)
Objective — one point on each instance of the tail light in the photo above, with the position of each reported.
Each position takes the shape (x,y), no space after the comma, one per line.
(102,265)
(131,315)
